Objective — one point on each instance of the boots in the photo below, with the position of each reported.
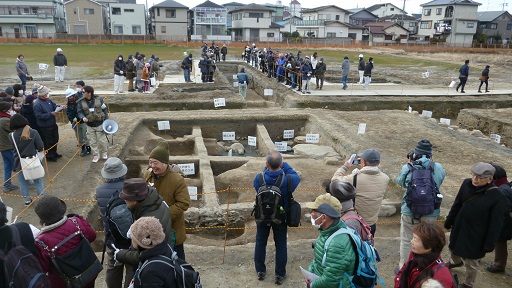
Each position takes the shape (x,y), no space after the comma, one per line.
(479,91)
(86,150)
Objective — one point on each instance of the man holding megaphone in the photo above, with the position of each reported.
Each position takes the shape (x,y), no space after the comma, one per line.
(92,110)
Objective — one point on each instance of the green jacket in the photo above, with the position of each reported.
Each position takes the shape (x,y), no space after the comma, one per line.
(5,143)
(341,258)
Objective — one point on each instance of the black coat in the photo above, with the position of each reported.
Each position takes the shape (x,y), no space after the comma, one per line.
(476,219)
(26,238)
(155,274)
(506,231)
(368,69)
(103,194)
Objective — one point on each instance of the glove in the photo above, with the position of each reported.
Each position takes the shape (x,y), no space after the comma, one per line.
(85,120)
(488,249)
(116,250)
(120,72)
(447,226)
(129,233)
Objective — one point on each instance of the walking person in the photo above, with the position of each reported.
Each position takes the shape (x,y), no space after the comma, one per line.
(28,143)
(6,148)
(368,73)
(463,76)
(306,72)
(345,68)
(320,73)
(360,68)
(21,69)
(243,81)
(60,62)
(119,73)
(484,79)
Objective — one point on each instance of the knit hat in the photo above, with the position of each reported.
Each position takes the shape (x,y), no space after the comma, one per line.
(42,90)
(29,99)
(34,90)
(147,232)
(9,90)
(134,189)
(424,147)
(371,156)
(484,170)
(343,191)
(161,152)
(325,199)
(113,168)
(50,209)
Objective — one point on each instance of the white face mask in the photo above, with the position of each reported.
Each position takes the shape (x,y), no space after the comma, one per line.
(20,92)
(78,89)
(313,221)
(120,58)
(10,112)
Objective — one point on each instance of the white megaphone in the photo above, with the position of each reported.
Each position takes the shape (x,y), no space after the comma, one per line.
(110,127)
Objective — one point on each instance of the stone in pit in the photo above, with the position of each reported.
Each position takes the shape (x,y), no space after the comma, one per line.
(314,151)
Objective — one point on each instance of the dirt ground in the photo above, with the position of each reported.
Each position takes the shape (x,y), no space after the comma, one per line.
(394,132)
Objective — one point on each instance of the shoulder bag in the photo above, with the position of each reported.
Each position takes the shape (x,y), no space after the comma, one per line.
(30,166)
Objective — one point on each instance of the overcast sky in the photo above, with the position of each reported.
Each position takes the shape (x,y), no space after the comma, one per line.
(411,6)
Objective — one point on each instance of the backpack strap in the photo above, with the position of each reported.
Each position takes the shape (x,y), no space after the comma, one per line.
(262,179)
(354,181)
(279,180)
(433,269)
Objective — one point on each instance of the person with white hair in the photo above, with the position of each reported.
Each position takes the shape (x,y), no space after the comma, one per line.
(60,62)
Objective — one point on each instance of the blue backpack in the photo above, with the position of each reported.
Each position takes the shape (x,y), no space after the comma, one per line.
(365,273)
(422,191)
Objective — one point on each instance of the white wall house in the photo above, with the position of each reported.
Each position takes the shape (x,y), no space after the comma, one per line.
(209,22)
(169,21)
(324,22)
(385,9)
(253,22)
(127,19)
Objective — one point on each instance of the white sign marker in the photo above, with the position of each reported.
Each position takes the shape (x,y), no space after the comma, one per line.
(445,121)
(163,125)
(219,102)
(268,92)
(235,77)
(235,84)
(410,109)
(228,136)
(496,137)
(288,134)
(188,168)
(281,146)
(251,141)
(312,138)
(192,191)
(426,113)
(362,128)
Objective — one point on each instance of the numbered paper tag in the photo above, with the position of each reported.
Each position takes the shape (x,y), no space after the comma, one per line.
(362,128)
(496,138)
(426,113)
(312,138)
(268,92)
(445,121)
(288,134)
(281,146)
(251,141)
(218,102)
(228,135)
(235,77)
(192,191)
(410,109)
(164,125)
(235,84)
(188,168)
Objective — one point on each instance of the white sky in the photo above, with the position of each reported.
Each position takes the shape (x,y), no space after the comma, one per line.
(411,6)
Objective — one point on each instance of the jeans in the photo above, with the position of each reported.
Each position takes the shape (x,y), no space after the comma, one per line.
(344,79)
(24,186)
(242,88)
(260,250)
(294,80)
(23,79)
(462,83)
(186,74)
(223,57)
(486,85)
(367,81)
(306,84)
(8,158)
(407,224)
(118,83)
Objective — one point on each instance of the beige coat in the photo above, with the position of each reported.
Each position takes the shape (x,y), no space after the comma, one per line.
(371,186)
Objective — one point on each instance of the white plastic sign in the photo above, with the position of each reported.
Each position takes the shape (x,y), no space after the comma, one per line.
(410,109)
(288,134)
(192,191)
(251,141)
(281,146)
(496,137)
(219,102)
(235,84)
(268,92)
(164,125)
(235,77)
(445,121)
(312,138)
(362,128)
(188,168)
(426,113)
(228,136)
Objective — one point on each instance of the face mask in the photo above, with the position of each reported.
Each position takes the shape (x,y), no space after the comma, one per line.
(320,61)
(78,89)
(317,226)
(10,112)
(20,92)
(120,58)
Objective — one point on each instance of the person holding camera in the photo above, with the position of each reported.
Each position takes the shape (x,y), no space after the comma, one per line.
(418,159)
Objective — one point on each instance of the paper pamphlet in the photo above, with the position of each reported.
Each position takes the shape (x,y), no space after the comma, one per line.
(58,109)
(308,275)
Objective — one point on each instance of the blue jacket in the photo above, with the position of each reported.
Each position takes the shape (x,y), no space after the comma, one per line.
(404,178)
(43,110)
(103,194)
(242,77)
(305,69)
(271,178)
(464,71)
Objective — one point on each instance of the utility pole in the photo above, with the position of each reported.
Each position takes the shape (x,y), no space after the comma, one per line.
(503,5)
(403,13)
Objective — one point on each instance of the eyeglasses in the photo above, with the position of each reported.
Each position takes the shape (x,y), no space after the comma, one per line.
(473,175)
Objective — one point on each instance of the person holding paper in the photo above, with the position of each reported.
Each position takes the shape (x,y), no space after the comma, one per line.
(243,81)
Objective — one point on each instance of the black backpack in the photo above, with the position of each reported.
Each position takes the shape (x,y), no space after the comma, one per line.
(21,268)
(422,191)
(268,202)
(119,219)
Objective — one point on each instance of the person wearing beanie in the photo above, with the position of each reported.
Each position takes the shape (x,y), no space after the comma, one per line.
(51,212)
(360,68)
(6,148)
(80,128)
(501,250)
(60,62)
(92,110)
(119,74)
(476,221)
(346,193)
(345,70)
(143,201)
(367,75)
(29,143)
(130,72)
(44,110)
(320,69)
(484,79)
(419,158)
(173,189)
(148,238)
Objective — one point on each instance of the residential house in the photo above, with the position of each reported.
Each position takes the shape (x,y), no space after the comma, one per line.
(361,16)
(385,9)
(208,22)
(278,14)
(293,10)
(230,6)
(127,19)
(453,21)
(386,32)
(288,24)
(497,25)
(253,23)
(406,21)
(32,18)
(328,21)
(169,21)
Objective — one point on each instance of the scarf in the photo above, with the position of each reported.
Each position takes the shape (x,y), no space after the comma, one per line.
(25,134)
(5,114)
(501,181)
(419,262)
(54,225)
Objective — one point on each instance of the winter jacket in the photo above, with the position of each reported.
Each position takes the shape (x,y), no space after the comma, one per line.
(52,235)
(43,110)
(340,258)
(476,219)
(103,194)
(345,67)
(224,50)
(404,178)
(153,206)
(139,65)
(442,275)
(371,187)
(155,68)
(314,61)
(21,67)
(92,104)
(71,110)
(211,66)
(464,71)
(361,65)
(27,111)
(186,63)
(145,74)
(203,65)
(155,274)
(242,77)
(280,66)
(26,238)
(27,148)
(60,60)
(320,68)
(306,69)
(368,69)
(120,65)
(5,129)
(173,189)
(506,231)
(130,69)
(271,178)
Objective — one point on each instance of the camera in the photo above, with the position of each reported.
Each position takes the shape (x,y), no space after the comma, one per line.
(356,161)
(410,155)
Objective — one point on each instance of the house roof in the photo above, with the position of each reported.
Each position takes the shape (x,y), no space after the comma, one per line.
(209,4)
(233,4)
(322,8)
(398,17)
(354,11)
(252,7)
(380,27)
(295,2)
(276,25)
(450,2)
(489,16)
(169,4)
(417,16)
(69,1)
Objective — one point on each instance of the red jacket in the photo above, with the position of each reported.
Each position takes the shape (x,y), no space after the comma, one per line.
(443,275)
(53,237)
